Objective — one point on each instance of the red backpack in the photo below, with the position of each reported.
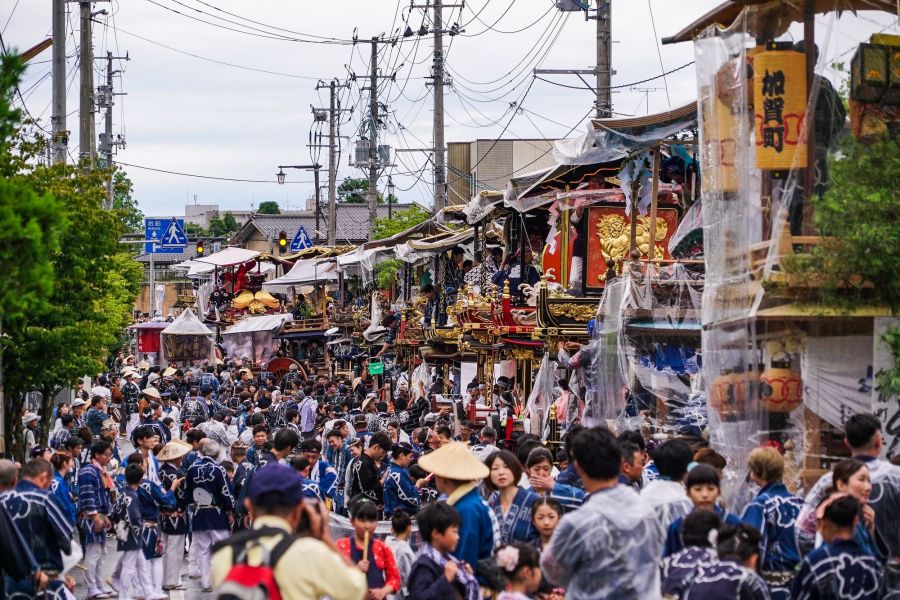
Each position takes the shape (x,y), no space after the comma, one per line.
(247,582)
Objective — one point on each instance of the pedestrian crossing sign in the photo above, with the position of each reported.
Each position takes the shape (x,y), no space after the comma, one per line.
(301,241)
(173,236)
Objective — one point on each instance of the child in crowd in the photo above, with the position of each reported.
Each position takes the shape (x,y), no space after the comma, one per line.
(702,486)
(539,468)
(437,574)
(733,574)
(678,569)
(398,542)
(126,514)
(371,555)
(520,566)
(841,561)
(545,515)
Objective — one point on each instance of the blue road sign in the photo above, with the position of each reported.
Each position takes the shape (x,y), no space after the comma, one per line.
(301,241)
(164,236)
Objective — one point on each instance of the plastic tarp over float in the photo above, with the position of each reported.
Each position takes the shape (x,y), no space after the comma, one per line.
(303,273)
(253,338)
(187,340)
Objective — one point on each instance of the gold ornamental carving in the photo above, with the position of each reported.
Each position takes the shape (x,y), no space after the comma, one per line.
(520,353)
(579,312)
(614,233)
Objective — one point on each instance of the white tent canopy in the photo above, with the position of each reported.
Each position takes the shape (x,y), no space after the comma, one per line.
(253,337)
(187,323)
(304,272)
(187,339)
(228,257)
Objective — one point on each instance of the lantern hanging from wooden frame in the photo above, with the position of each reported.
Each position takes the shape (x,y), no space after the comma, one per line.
(781,388)
(779,106)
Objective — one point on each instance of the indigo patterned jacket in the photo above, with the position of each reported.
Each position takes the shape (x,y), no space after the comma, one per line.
(842,569)
(515,525)
(727,579)
(678,570)
(174,518)
(210,494)
(41,521)
(774,513)
(400,493)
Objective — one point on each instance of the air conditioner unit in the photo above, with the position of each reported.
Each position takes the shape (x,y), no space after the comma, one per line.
(361,153)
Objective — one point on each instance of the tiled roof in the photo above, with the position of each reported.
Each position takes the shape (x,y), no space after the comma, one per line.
(190,251)
(352,222)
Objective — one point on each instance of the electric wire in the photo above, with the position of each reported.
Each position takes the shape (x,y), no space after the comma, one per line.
(235,179)
(659,53)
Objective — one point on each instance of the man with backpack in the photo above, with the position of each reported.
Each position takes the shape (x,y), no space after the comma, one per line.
(266,557)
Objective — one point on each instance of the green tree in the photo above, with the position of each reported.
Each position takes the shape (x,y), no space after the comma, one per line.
(385,272)
(269,207)
(355,191)
(400,221)
(193,230)
(221,227)
(78,295)
(30,224)
(859,259)
(231,224)
(124,202)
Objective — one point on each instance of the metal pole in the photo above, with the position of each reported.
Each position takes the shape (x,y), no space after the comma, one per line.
(332,167)
(604,60)
(373,137)
(108,142)
(152,279)
(86,104)
(60,135)
(318,203)
(440,169)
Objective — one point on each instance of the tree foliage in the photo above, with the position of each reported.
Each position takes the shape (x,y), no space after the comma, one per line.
(69,285)
(356,191)
(268,207)
(226,224)
(124,202)
(386,273)
(860,216)
(400,221)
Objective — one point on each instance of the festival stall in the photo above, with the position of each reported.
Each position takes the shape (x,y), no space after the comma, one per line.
(148,340)
(253,338)
(788,354)
(187,341)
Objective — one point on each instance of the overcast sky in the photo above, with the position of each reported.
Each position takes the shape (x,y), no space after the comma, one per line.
(190,115)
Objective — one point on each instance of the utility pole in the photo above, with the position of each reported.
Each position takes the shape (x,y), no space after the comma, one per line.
(86,101)
(60,141)
(604,58)
(107,143)
(373,137)
(440,157)
(603,71)
(334,114)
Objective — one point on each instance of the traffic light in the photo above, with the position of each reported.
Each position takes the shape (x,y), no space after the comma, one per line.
(282,242)
(199,247)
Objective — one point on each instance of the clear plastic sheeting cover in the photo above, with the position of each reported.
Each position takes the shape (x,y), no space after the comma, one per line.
(608,140)
(541,396)
(605,399)
(659,347)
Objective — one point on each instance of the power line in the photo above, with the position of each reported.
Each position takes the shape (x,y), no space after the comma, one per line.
(525,28)
(208,176)
(659,53)
(616,87)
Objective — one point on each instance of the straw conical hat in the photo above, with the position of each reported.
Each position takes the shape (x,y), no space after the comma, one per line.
(454,461)
(174,449)
(152,392)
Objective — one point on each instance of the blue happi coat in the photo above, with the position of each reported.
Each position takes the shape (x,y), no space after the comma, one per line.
(678,570)
(153,499)
(400,493)
(339,459)
(774,512)
(60,490)
(210,495)
(325,476)
(126,514)
(515,525)
(842,569)
(726,579)
(674,543)
(174,518)
(42,522)
(93,497)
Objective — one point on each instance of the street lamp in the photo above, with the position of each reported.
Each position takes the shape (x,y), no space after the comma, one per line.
(390,195)
(315,168)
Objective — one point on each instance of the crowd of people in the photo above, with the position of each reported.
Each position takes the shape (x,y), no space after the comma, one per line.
(315,486)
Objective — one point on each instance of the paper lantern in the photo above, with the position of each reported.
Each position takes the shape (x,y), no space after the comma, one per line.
(875,74)
(781,388)
(726,395)
(779,104)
